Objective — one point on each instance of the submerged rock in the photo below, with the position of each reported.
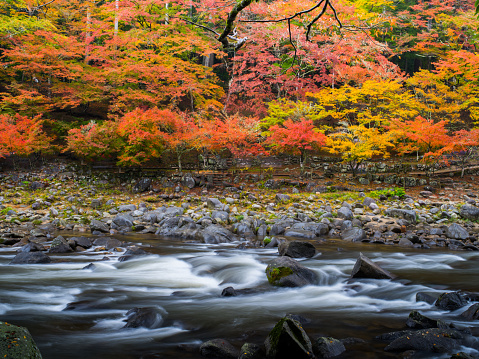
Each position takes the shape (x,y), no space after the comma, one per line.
(17,343)
(147,317)
(366,268)
(472,312)
(286,272)
(218,348)
(288,340)
(326,347)
(418,321)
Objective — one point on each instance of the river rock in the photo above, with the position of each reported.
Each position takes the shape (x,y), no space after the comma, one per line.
(214,203)
(299,233)
(142,185)
(296,249)
(326,347)
(32,247)
(408,215)
(147,317)
(277,229)
(127,208)
(319,229)
(288,340)
(123,220)
(107,242)
(345,213)
(456,231)
(286,272)
(418,321)
(366,268)
(279,198)
(469,212)
(450,301)
(131,253)
(215,234)
(472,312)
(96,225)
(220,216)
(60,245)
(218,348)
(31,258)
(432,340)
(17,343)
(354,234)
(83,242)
(250,351)
(429,298)
(174,211)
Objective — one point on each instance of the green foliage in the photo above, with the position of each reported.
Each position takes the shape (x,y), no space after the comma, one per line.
(5,210)
(389,192)
(266,240)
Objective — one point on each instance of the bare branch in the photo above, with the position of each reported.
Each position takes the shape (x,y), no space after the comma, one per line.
(316,19)
(289,17)
(223,38)
(291,41)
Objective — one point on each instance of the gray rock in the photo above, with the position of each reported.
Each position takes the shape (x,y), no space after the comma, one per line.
(83,242)
(296,249)
(469,212)
(219,348)
(96,225)
(250,351)
(189,182)
(123,220)
(131,253)
(127,208)
(60,245)
(36,185)
(279,198)
(432,340)
(220,216)
(31,258)
(214,203)
(426,297)
(418,321)
(146,317)
(326,347)
(354,234)
(288,340)
(17,343)
(107,242)
(215,234)
(366,268)
(95,203)
(36,206)
(243,229)
(367,201)
(174,211)
(286,272)
(345,213)
(277,229)
(456,231)
(450,301)
(142,185)
(408,215)
(299,233)
(319,229)
(472,312)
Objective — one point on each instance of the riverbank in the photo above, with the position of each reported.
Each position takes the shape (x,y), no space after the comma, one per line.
(35,204)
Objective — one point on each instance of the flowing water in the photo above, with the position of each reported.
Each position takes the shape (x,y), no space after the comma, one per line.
(184,280)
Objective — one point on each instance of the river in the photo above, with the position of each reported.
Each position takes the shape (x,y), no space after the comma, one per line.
(185,281)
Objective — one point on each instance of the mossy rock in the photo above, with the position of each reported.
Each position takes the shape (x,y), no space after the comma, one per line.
(288,340)
(17,343)
(286,272)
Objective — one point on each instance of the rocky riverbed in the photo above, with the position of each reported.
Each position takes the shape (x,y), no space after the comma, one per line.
(93,212)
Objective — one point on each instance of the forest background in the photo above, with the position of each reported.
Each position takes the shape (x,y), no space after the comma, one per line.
(129,80)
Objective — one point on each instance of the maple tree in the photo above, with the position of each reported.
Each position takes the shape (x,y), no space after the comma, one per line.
(359,143)
(296,138)
(22,136)
(463,147)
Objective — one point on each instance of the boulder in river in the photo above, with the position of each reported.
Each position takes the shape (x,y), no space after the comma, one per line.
(60,245)
(326,347)
(107,242)
(432,340)
(418,321)
(31,258)
(131,253)
(296,249)
(147,317)
(251,351)
(472,312)
(218,348)
(353,234)
(366,268)
(17,343)
(286,272)
(288,340)
(450,301)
